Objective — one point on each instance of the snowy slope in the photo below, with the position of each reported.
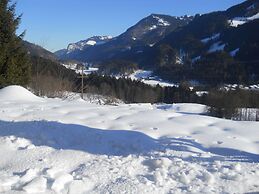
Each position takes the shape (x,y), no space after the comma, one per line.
(57,146)
(95,40)
(147,78)
(208,39)
(235,22)
(218,46)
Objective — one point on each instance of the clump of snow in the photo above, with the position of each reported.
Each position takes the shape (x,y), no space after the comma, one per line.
(60,181)
(208,177)
(153,27)
(80,186)
(91,42)
(201,93)
(37,185)
(72,146)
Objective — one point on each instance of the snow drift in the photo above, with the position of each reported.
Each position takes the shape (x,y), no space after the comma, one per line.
(17,93)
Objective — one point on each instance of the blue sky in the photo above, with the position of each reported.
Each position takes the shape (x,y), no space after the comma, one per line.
(55,23)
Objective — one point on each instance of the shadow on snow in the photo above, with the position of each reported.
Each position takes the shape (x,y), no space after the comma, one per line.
(112,142)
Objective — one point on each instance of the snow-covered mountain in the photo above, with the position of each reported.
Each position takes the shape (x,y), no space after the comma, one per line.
(146,32)
(243,13)
(231,34)
(154,27)
(83,44)
(95,40)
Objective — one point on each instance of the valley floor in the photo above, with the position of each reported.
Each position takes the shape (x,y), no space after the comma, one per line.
(73,146)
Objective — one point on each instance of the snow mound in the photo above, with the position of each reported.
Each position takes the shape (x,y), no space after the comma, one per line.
(17,93)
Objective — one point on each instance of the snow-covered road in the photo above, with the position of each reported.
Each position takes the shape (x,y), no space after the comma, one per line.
(62,146)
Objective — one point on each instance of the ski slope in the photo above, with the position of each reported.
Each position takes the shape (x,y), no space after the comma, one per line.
(73,146)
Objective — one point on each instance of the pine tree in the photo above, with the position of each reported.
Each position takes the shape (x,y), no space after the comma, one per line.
(14,61)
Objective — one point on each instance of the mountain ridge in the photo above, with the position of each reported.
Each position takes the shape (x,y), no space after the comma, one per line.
(146,32)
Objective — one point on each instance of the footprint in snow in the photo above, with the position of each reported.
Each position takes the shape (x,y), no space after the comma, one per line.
(7,182)
(80,171)
(19,143)
(29,181)
(37,185)
(60,182)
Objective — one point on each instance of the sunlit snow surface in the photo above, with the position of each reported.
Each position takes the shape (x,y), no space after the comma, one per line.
(72,146)
(218,46)
(147,78)
(213,37)
(235,22)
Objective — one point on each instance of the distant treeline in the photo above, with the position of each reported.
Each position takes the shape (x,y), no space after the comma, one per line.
(49,78)
(227,104)
(132,91)
(222,103)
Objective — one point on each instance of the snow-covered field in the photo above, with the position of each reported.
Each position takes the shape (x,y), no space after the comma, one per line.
(72,146)
(147,78)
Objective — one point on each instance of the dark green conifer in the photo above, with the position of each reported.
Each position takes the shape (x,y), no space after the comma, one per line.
(14,61)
